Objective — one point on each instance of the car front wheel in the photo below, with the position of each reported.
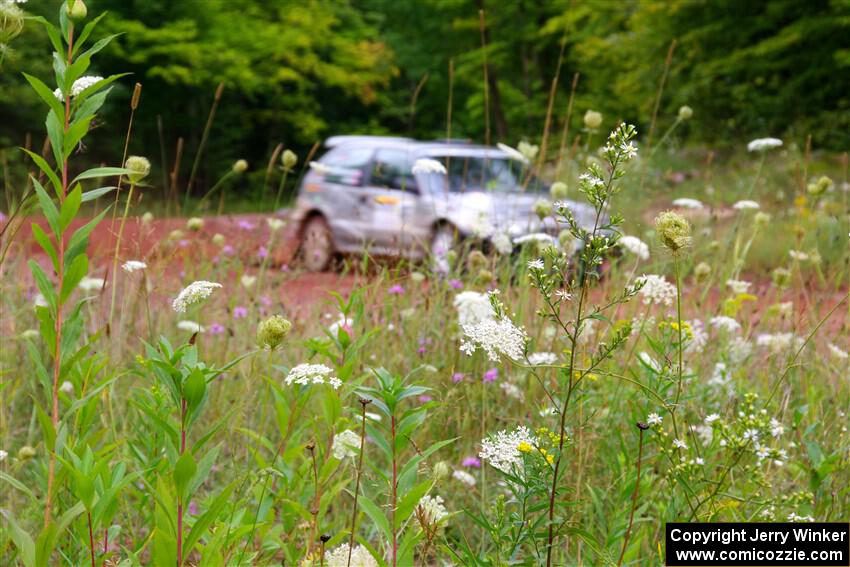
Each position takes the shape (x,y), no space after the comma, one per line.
(317,247)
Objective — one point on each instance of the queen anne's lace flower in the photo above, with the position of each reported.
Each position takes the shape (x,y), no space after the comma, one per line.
(131,266)
(360,557)
(194,293)
(473,308)
(495,336)
(778,342)
(91,284)
(190,326)
(502,243)
(346,444)
(687,203)
(837,352)
(725,323)
(738,286)
(763,144)
(746,204)
(636,246)
(539,358)
(425,165)
(656,290)
(501,450)
(305,374)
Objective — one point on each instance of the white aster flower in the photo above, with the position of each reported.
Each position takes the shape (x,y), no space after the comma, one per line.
(763,144)
(679,444)
(776,428)
(591,180)
(67,387)
(762,452)
(495,337)
(656,290)
(738,286)
(636,246)
(360,557)
(131,266)
(687,203)
(3,455)
(346,444)
(305,374)
(751,434)
(501,450)
(536,264)
(746,205)
(473,307)
(711,418)
(724,323)
(190,326)
(464,477)
(425,166)
(79,86)
(798,255)
(654,419)
(194,293)
(563,295)
(91,284)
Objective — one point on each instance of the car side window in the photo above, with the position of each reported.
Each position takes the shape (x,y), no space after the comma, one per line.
(347,166)
(391,169)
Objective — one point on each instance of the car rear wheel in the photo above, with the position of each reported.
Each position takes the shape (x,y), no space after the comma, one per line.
(443,240)
(317,249)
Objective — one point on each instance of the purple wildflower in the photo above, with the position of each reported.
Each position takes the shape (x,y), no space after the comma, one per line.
(456,284)
(473,462)
(458,377)
(240,312)
(245,225)
(425,398)
(262,253)
(396,290)
(491,375)
(228,250)
(216,329)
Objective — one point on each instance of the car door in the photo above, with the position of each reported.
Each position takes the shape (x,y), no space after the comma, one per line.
(391,193)
(337,188)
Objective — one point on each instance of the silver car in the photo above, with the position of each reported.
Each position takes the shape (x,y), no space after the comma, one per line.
(387,196)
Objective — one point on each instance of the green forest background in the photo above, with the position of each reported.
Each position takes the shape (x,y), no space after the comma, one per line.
(295,72)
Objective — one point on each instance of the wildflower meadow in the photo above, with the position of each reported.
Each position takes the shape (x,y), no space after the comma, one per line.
(177,389)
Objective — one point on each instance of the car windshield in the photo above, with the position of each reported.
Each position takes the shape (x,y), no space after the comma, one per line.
(492,174)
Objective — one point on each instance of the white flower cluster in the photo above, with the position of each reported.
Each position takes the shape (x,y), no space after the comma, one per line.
(738,286)
(724,323)
(778,342)
(346,444)
(194,293)
(636,246)
(91,284)
(698,338)
(431,509)
(746,204)
(502,449)
(591,180)
(191,327)
(426,166)
(687,203)
(473,308)
(838,352)
(131,266)
(512,153)
(305,374)
(360,557)
(540,358)
(502,243)
(512,391)
(793,517)
(764,144)
(495,336)
(79,86)
(656,290)
(721,378)
(464,477)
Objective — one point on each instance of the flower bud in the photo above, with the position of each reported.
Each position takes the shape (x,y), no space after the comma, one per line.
(761,219)
(781,277)
(77,9)
(441,471)
(674,231)
(26,453)
(542,208)
(476,260)
(558,190)
(147,217)
(592,119)
(240,166)
(288,159)
(417,277)
(702,271)
(272,331)
(175,234)
(484,276)
(685,112)
(139,166)
(451,257)
(195,224)
(820,186)
(218,239)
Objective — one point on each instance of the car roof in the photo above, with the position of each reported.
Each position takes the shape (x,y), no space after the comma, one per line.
(454,147)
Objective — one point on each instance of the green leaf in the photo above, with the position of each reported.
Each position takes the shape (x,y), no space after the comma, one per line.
(95,193)
(46,245)
(19,485)
(75,133)
(98,172)
(184,470)
(194,388)
(79,240)
(203,523)
(44,285)
(410,500)
(75,272)
(46,95)
(70,207)
(52,33)
(23,541)
(56,135)
(84,35)
(51,213)
(376,515)
(48,171)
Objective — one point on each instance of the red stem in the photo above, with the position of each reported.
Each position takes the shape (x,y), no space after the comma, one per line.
(91,540)
(57,362)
